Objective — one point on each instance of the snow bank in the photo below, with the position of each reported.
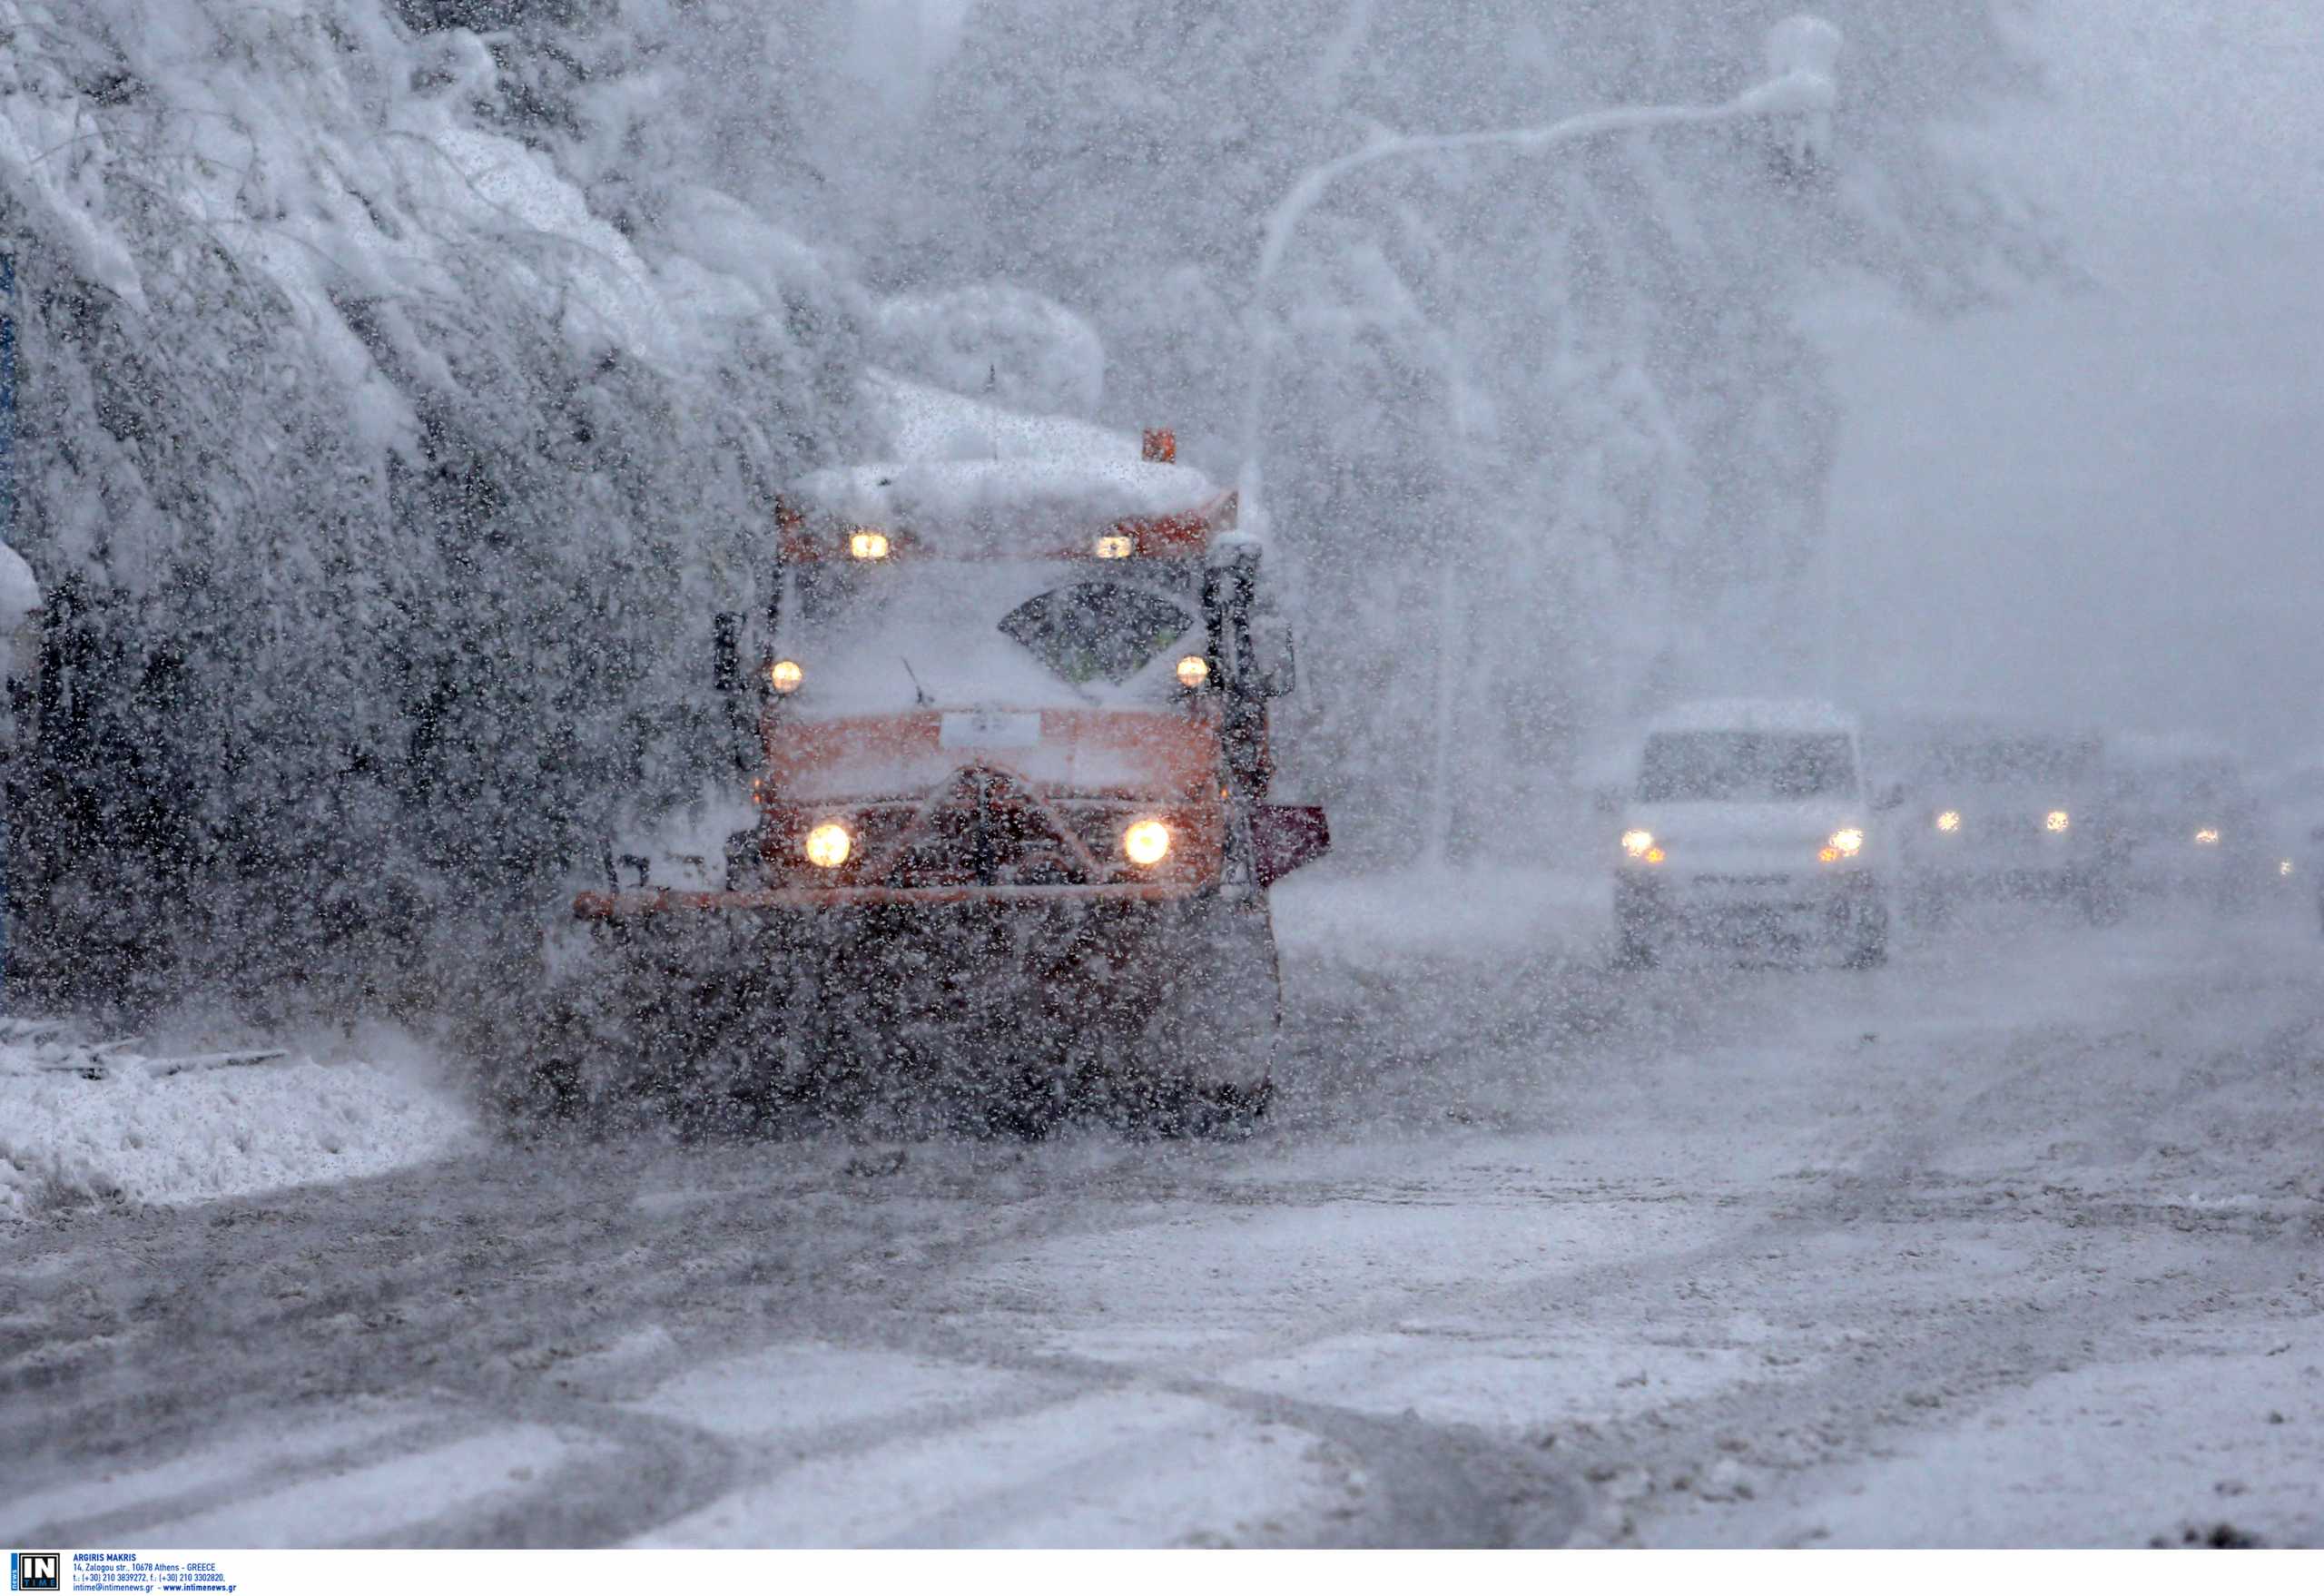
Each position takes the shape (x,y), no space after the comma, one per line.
(136,1133)
(1383,916)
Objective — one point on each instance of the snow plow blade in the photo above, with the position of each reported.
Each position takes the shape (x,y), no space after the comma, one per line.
(655,902)
(1152,1008)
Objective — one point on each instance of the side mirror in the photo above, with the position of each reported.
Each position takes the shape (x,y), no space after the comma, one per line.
(726,652)
(1892,797)
(1266,663)
(1274,661)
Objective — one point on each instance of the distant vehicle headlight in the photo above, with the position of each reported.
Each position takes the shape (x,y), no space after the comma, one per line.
(2057,820)
(784,675)
(1147,841)
(1193,671)
(1844,843)
(2284,867)
(829,845)
(1637,844)
(2207,837)
(1948,820)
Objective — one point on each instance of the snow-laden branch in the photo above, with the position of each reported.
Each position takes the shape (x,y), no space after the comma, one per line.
(1801,55)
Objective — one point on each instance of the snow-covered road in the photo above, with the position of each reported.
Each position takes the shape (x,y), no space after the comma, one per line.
(2016,1241)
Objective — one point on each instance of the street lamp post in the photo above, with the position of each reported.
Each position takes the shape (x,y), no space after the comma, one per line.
(1795,97)
(1799,93)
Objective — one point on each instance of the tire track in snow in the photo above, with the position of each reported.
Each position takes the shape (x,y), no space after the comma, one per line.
(467,1283)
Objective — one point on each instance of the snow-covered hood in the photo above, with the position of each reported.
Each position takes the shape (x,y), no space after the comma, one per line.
(1755,836)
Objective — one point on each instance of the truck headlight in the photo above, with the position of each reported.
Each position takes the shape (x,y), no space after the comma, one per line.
(864,544)
(784,675)
(1147,841)
(2057,820)
(1636,843)
(1948,820)
(2208,837)
(1193,671)
(1844,843)
(829,845)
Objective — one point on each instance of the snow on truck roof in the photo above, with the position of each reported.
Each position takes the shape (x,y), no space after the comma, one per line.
(958,465)
(1753,714)
(914,422)
(1076,495)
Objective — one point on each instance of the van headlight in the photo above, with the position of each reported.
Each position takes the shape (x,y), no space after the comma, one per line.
(1844,843)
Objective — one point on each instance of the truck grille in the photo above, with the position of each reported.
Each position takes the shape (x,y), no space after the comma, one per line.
(983,828)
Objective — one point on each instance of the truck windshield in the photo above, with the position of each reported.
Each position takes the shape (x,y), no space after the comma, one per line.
(1094,631)
(1745,766)
(1027,634)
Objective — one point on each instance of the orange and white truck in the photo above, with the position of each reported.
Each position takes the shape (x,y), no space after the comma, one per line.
(1011,829)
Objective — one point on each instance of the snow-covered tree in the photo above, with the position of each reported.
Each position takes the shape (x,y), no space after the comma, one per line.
(394,412)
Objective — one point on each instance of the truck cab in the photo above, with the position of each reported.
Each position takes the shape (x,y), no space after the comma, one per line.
(1013,783)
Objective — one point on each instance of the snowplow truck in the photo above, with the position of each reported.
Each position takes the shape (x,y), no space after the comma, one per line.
(1011,832)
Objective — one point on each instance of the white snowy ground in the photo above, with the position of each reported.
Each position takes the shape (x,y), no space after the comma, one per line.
(2012,1243)
(123,1126)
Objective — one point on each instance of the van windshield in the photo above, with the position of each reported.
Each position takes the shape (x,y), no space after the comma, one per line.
(1745,766)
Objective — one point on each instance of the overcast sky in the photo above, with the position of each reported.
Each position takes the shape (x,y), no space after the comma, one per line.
(2108,503)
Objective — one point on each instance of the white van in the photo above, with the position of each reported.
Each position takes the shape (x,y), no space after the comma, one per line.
(1748,824)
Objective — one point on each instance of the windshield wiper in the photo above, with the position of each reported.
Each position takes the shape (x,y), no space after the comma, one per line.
(920,694)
